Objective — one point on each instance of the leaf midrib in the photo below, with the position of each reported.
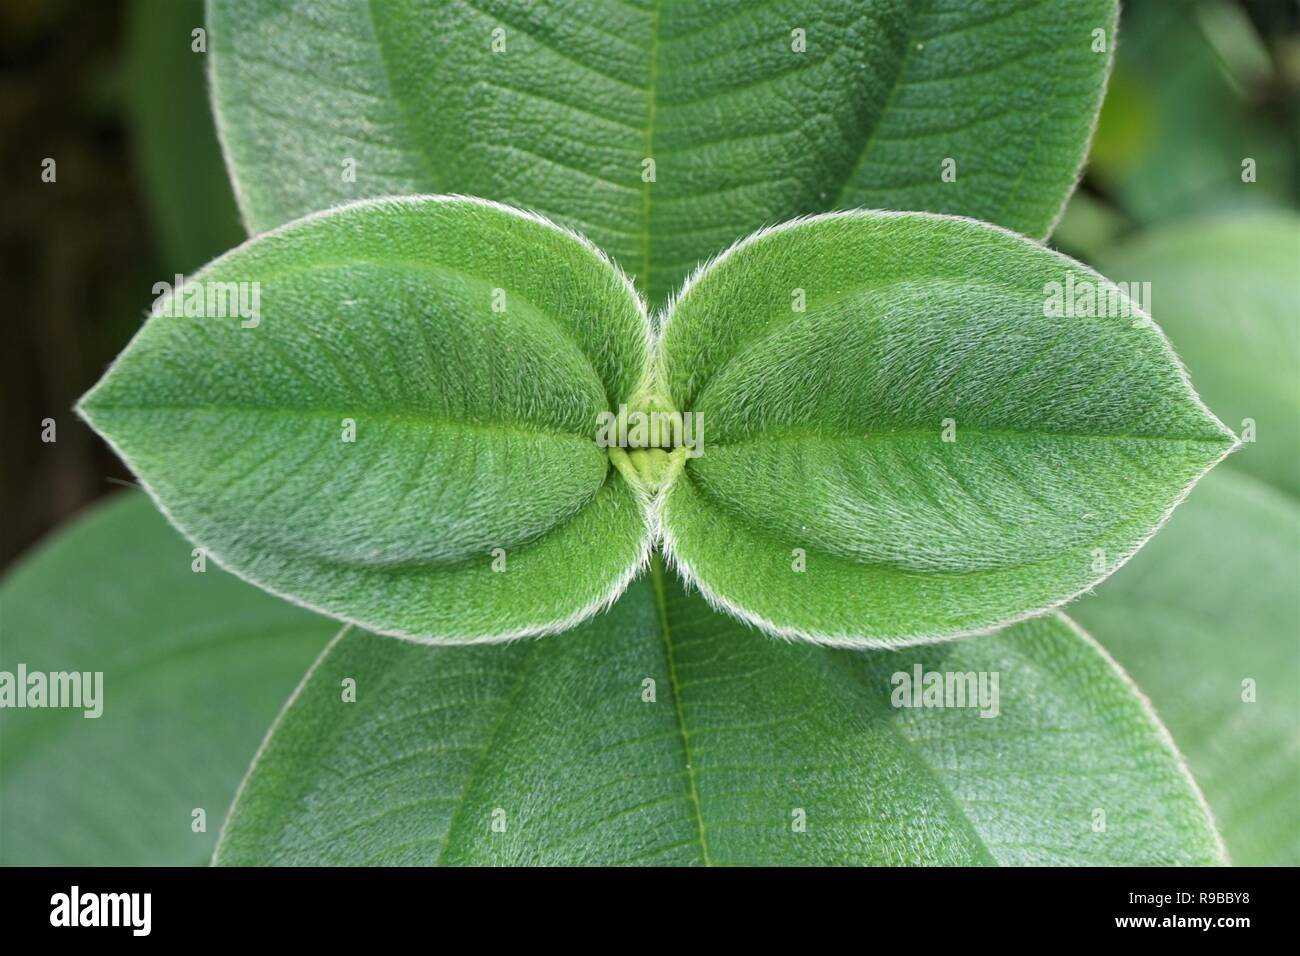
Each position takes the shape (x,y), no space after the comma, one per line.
(652,87)
(796,433)
(888,717)
(665,633)
(417,143)
(389,415)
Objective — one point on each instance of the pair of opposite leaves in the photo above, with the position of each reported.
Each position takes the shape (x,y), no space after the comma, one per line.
(898,444)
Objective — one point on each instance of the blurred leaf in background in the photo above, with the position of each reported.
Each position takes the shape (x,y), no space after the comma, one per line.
(1206,617)
(195,667)
(177,154)
(115,95)
(1199,87)
(1227,293)
(1195,93)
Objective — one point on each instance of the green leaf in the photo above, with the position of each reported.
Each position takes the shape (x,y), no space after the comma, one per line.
(1225,290)
(921,452)
(194,668)
(382,444)
(1214,602)
(743,130)
(557,743)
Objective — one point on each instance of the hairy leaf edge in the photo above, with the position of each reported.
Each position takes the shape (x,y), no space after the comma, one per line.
(1162,732)
(219,125)
(1112,41)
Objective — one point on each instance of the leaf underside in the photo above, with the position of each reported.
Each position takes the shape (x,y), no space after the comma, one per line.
(921,452)
(744,131)
(555,743)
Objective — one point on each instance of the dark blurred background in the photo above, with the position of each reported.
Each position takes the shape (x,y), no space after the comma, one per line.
(111,90)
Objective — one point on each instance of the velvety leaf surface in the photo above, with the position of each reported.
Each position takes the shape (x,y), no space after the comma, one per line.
(921,452)
(384,445)
(556,106)
(1213,603)
(752,751)
(195,667)
(1227,291)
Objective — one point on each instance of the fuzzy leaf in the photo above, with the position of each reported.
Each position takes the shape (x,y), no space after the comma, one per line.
(195,666)
(921,452)
(556,107)
(751,752)
(384,445)
(1207,620)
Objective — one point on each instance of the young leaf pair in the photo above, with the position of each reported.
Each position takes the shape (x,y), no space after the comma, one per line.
(899,445)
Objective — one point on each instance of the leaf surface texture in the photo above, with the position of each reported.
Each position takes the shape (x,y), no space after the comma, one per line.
(744,131)
(555,740)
